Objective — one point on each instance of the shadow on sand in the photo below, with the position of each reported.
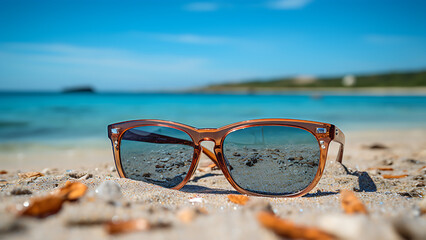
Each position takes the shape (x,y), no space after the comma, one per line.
(365,183)
(189,188)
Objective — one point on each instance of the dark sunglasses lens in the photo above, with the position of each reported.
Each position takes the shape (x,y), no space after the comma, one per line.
(273,160)
(158,155)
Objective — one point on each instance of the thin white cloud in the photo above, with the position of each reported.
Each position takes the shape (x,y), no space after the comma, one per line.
(192,39)
(185,38)
(53,66)
(288,4)
(102,57)
(201,7)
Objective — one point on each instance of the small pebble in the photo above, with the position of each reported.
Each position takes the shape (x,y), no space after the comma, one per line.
(258,204)
(109,191)
(20,191)
(387,162)
(85,177)
(419,177)
(412,161)
(79,175)
(412,193)
(47,171)
(377,146)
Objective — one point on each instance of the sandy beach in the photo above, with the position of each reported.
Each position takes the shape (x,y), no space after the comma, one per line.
(270,82)
(385,169)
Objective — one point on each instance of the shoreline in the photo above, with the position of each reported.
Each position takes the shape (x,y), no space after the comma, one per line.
(329,91)
(371,91)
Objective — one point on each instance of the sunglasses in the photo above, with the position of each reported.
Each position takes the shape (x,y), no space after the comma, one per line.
(265,157)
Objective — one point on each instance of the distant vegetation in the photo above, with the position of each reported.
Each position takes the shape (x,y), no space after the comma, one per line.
(79,89)
(400,79)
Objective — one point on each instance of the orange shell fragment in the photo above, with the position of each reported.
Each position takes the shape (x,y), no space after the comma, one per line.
(133,225)
(290,230)
(381,168)
(30,174)
(72,190)
(45,206)
(238,199)
(387,176)
(351,203)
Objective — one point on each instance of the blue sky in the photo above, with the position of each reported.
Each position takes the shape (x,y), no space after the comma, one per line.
(157,45)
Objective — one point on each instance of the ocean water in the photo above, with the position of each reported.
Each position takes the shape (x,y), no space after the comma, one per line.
(53,118)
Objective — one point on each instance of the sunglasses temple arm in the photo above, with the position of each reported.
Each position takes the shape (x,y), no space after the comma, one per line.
(339,137)
(143,136)
(211,155)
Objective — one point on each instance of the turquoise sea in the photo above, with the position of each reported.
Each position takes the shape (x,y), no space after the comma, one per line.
(54,118)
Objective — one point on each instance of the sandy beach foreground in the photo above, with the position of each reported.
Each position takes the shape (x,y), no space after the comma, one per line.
(385,170)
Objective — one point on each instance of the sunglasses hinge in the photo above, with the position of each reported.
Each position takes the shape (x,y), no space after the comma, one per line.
(321,130)
(115,130)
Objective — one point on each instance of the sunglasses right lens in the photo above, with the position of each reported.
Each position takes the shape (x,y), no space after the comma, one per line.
(155,154)
(273,160)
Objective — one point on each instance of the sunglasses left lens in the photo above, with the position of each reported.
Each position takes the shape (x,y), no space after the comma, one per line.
(155,154)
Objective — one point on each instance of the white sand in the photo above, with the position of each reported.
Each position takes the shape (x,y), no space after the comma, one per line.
(386,199)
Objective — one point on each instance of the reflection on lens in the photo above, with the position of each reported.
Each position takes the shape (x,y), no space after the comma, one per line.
(158,155)
(274,160)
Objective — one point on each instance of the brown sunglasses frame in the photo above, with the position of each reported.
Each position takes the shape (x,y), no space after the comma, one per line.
(218,135)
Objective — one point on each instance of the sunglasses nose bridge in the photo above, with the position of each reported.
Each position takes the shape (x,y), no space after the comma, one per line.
(208,134)
(207,139)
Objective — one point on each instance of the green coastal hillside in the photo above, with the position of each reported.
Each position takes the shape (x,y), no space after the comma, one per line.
(398,79)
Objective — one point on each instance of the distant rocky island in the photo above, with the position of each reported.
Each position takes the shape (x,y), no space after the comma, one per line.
(79,89)
(386,80)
